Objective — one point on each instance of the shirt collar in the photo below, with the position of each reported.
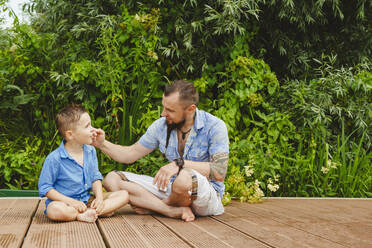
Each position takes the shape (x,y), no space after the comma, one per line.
(62,150)
(64,153)
(199,120)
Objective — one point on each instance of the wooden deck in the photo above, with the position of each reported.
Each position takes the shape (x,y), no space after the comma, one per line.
(277,222)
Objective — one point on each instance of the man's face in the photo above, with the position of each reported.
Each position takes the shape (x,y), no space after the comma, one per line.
(173,110)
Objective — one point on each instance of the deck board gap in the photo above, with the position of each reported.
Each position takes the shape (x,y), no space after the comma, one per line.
(29,223)
(295,227)
(100,229)
(231,226)
(173,231)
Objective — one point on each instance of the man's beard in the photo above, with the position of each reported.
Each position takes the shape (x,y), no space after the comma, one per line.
(178,125)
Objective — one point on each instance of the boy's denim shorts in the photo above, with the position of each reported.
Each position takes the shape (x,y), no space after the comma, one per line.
(207,201)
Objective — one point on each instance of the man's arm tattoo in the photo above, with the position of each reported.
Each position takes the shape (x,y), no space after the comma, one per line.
(218,166)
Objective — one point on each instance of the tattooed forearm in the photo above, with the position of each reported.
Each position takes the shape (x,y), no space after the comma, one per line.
(218,166)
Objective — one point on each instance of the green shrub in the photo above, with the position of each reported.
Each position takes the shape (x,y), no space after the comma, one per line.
(20,165)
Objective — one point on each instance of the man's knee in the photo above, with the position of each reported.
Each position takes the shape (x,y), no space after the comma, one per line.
(111,181)
(182,184)
(122,195)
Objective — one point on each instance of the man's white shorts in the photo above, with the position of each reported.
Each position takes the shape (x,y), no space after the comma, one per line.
(206,203)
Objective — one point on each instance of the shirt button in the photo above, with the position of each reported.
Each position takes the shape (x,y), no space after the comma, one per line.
(86,185)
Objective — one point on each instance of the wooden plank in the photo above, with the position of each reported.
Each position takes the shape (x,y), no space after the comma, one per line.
(356,234)
(128,229)
(46,233)
(339,211)
(15,218)
(270,231)
(207,232)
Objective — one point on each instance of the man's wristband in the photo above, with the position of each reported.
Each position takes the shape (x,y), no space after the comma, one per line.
(180,163)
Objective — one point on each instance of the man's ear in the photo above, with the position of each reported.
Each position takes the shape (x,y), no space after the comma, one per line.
(191,108)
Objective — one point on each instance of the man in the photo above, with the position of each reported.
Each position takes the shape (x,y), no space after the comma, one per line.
(197,146)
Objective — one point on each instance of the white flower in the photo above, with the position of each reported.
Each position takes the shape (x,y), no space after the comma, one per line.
(329,162)
(248,170)
(273,188)
(276,178)
(257,183)
(334,165)
(259,193)
(325,170)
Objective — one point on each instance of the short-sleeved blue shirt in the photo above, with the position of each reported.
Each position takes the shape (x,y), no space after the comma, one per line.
(207,137)
(62,173)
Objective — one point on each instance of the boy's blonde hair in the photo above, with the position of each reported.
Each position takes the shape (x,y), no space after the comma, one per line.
(67,118)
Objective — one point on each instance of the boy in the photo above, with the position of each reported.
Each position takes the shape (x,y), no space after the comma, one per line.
(71,171)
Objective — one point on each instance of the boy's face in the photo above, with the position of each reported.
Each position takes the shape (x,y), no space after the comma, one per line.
(83,131)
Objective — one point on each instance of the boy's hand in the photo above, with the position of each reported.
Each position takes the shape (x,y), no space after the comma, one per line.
(98,137)
(98,204)
(78,205)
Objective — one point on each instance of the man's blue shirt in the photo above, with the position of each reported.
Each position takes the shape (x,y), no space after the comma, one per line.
(207,137)
(62,173)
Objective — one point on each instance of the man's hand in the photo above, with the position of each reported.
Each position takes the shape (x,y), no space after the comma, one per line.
(98,204)
(98,137)
(164,174)
(78,205)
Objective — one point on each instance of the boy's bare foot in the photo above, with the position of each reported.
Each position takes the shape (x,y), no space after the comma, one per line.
(139,210)
(90,215)
(187,214)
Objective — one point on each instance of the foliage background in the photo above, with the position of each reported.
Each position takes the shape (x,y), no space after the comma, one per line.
(291,79)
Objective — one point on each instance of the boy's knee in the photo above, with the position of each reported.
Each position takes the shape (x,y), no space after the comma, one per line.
(56,211)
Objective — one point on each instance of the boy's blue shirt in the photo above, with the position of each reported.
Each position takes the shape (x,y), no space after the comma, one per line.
(62,173)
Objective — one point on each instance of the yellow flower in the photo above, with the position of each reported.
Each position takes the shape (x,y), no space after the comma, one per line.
(152,54)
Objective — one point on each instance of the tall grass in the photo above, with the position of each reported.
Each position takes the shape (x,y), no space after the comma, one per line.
(320,171)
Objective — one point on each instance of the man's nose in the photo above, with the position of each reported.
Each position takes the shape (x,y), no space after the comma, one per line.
(163,113)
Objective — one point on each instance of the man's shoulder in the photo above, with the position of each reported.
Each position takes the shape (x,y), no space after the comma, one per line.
(210,120)
(159,124)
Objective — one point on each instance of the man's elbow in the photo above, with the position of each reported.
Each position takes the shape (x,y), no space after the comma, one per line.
(217,176)
(220,179)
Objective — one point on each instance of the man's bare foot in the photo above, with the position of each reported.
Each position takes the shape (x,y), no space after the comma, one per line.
(166,201)
(107,215)
(140,210)
(90,215)
(187,214)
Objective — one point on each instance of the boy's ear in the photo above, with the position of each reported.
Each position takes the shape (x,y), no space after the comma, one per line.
(68,135)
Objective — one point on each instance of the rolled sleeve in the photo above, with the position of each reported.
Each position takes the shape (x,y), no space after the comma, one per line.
(219,140)
(48,176)
(150,139)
